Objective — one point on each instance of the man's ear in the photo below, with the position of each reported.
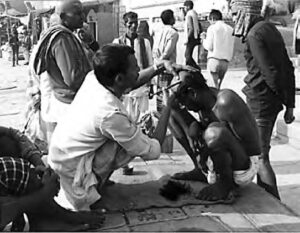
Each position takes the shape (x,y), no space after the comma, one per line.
(191,92)
(120,79)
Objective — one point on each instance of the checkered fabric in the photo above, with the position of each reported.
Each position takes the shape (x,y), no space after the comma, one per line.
(248,6)
(248,11)
(14,175)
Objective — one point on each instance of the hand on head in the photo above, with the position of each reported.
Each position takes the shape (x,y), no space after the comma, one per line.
(174,69)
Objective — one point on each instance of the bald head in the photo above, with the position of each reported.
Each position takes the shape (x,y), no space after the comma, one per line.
(67,6)
(70,13)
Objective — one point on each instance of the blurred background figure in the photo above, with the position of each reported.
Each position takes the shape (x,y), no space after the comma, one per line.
(296,36)
(26,43)
(143,30)
(14,44)
(89,44)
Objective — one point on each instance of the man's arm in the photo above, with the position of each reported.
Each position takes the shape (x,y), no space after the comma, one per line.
(208,42)
(170,46)
(29,150)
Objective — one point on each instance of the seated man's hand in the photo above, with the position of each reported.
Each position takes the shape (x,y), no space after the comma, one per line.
(51,183)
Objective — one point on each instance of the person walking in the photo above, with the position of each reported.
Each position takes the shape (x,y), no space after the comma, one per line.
(270,83)
(191,33)
(14,43)
(219,42)
(165,48)
(27,46)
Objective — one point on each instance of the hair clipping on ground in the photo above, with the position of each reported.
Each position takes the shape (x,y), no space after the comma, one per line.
(173,189)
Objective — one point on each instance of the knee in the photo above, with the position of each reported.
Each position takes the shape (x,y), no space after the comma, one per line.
(214,136)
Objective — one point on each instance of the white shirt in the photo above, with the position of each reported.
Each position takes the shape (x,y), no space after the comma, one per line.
(94,118)
(165,44)
(219,41)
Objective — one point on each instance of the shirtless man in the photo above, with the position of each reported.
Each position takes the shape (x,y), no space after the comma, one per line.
(227,132)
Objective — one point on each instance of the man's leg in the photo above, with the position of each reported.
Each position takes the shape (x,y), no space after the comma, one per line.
(178,124)
(227,155)
(13,56)
(215,77)
(222,71)
(189,55)
(266,177)
(17,55)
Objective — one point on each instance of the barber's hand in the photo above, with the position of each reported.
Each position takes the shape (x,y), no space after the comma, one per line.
(179,68)
(174,68)
(51,183)
(289,115)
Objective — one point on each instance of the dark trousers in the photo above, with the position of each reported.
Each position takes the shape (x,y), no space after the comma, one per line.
(15,55)
(189,53)
(265,128)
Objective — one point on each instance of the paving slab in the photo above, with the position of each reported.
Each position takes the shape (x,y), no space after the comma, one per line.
(225,213)
(204,224)
(154,215)
(113,221)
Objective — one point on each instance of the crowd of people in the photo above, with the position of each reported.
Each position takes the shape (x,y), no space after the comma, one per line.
(87,103)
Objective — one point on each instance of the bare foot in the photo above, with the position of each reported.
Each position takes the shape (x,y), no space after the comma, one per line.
(215,192)
(195,175)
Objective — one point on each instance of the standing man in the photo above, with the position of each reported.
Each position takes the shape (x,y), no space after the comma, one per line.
(14,43)
(219,42)
(97,136)
(61,59)
(136,101)
(191,32)
(270,82)
(27,46)
(165,49)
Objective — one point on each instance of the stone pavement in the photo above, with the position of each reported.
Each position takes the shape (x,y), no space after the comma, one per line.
(254,210)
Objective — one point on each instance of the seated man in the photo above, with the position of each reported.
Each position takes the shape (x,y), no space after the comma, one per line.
(21,184)
(227,131)
(97,136)
(27,190)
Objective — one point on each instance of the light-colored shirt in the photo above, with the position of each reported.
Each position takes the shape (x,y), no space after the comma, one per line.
(95,118)
(219,41)
(194,26)
(165,44)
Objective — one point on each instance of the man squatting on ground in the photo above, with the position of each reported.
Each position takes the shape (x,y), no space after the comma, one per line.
(226,130)
(97,136)
(270,83)
(27,186)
